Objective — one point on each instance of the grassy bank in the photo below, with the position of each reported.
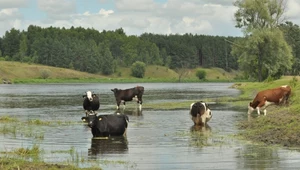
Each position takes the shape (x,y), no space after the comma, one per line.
(281,125)
(7,163)
(24,73)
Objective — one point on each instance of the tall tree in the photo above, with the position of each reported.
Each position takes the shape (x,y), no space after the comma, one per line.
(264,50)
(292,36)
(11,42)
(257,14)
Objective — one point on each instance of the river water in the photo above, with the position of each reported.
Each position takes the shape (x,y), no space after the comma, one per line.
(49,116)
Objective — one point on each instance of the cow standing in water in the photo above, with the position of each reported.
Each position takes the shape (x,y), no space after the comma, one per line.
(108,125)
(91,102)
(128,95)
(263,99)
(200,113)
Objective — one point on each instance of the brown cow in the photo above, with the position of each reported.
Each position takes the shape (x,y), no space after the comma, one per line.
(263,99)
(128,95)
(200,113)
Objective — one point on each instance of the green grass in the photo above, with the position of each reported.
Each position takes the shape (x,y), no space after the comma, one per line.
(280,126)
(24,73)
(9,163)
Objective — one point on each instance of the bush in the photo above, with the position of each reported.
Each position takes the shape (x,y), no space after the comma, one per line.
(138,69)
(201,74)
(45,73)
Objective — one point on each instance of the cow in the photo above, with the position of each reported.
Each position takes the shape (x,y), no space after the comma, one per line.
(263,99)
(200,113)
(107,125)
(91,102)
(128,95)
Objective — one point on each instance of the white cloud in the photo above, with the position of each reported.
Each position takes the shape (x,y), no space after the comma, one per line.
(13,3)
(105,12)
(57,9)
(293,9)
(135,5)
(9,14)
(212,17)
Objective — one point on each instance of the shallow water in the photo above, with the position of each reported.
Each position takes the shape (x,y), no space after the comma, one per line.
(156,139)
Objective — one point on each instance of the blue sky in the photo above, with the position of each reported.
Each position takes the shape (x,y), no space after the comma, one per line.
(209,17)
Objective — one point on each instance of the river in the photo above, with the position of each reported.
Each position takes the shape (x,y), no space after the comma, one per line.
(49,116)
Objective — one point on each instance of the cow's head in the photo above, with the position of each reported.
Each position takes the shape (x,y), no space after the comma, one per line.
(207,113)
(91,119)
(89,95)
(115,90)
(201,111)
(250,108)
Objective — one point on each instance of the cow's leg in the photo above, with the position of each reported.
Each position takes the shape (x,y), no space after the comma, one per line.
(203,119)
(118,105)
(265,112)
(124,105)
(140,102)
(258,110)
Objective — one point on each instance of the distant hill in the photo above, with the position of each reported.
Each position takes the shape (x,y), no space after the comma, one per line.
(15,71)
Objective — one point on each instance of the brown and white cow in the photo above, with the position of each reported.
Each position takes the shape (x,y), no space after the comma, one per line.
(200,113)
(263,99)
(128,95)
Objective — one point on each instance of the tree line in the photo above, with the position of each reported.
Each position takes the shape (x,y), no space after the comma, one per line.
(103,52)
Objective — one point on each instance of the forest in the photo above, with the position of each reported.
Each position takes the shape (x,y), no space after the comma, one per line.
(101,52)
(89,50)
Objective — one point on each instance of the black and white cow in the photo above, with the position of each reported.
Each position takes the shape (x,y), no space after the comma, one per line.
(200,113)
(108,125)
(128,95)
(91,102)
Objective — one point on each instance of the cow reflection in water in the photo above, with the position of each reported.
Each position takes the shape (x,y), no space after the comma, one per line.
(134,112)
(110,145)
(200,135)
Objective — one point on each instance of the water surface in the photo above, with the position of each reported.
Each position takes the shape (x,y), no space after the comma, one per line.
(156,139)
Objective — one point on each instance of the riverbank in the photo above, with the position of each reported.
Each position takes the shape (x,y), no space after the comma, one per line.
(281,125)
(15,163)
(25,73)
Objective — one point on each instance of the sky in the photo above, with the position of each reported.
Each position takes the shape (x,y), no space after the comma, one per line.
(208,17)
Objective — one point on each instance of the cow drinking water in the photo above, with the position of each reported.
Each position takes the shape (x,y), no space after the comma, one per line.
(263,99)
(128,95)
(91,102)
(200,113)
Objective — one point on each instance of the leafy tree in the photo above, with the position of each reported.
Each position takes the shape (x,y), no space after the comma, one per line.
(263,52)
(257,14)
(11,42)
(138,69)
(292,36)
(107,63)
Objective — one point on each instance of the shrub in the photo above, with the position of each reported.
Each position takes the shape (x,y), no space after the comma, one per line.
(201,74)
(45,73)
(138,69)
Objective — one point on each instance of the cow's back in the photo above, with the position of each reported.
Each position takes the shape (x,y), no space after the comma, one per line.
(272,95)
(116,124)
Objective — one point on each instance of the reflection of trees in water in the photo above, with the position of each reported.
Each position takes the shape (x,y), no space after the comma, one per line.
(257,157)
(131,112)
(109,145)
(200,135)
